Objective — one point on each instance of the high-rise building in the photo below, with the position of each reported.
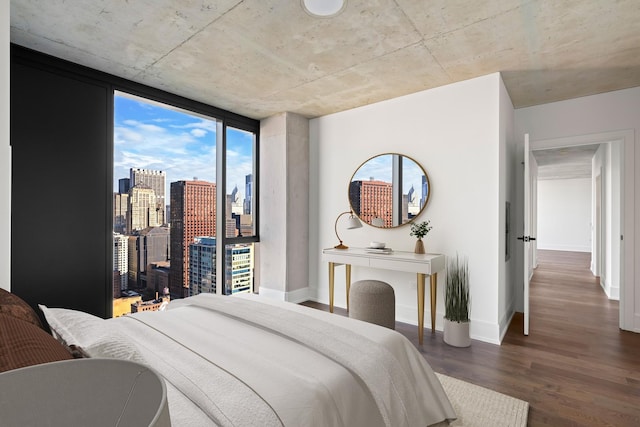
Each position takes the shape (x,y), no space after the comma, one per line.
(124,184)
(246,225)
(238,275)
(372,199)
(248,188)
(156,180)
(239,269)
(202,266)
(143,209)
(231,228)
(193,214)
(120,209)
(120,262)
(425,191)
(146,247)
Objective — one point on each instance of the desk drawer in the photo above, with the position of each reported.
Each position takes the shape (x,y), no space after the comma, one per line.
(411,267)
(346,259)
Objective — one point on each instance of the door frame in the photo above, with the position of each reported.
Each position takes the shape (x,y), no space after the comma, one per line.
(625,263)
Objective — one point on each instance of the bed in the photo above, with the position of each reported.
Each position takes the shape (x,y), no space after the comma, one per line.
(247,360)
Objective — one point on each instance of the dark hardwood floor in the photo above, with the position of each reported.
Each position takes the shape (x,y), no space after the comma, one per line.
(576,367)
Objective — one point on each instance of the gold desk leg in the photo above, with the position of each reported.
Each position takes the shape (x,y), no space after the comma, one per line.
(347,269)
(332,270)
(420,283)
(434,289)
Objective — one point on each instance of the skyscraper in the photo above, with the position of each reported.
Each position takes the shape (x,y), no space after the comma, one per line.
(193,214)
(425,191)
(248,188)
(156,180)
(239,269)
(143,210)
(202,266)
(120,209)
(372,199)
(124,185)
(146,247)
(120,263)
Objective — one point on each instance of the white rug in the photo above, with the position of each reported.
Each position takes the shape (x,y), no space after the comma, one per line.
(480,407)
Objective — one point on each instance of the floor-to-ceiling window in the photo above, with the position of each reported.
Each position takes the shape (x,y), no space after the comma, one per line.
(183,190)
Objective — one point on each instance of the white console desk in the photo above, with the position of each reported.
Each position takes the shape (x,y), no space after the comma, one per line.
(421,264)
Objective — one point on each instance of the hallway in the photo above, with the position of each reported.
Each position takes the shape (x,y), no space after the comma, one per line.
(578,367)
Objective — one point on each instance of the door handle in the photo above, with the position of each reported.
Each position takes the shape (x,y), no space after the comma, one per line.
(526,238)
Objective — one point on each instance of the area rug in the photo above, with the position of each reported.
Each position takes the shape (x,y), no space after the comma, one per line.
(480,407)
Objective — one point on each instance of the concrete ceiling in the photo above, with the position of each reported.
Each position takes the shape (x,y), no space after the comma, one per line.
(565,163)
(262,57)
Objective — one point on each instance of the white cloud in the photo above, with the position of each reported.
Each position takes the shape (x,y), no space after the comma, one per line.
(198,133)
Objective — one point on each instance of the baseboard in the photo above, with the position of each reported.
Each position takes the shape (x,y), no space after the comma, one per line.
(297,296)
(479,330)
(482,331)
(564,248)
(505,322)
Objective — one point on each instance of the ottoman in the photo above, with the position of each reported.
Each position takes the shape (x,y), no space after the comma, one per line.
(373,301)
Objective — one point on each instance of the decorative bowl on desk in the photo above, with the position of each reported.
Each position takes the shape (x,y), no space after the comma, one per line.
(377,245)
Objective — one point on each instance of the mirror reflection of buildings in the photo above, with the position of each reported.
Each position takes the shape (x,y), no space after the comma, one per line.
(371,201)
(382,202)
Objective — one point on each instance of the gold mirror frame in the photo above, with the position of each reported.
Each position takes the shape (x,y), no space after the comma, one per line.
(390,199)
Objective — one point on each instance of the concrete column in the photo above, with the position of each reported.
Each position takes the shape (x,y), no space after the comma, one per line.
(284,207)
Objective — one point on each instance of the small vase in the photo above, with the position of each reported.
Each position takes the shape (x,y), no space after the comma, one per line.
(419,247)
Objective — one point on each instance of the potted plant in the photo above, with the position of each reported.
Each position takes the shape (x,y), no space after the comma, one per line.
(456,303)
(419,230)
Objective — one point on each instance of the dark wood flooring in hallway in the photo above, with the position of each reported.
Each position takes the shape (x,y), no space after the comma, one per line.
(576,367)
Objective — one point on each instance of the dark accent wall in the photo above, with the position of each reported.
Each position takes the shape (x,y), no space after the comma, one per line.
(62,178)
(61,139)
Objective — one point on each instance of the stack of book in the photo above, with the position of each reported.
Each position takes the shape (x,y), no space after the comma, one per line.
(378,250)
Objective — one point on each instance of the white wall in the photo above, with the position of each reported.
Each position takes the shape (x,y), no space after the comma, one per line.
(606,163)
(5,151)
(455,133)
(564,214)
(609,114)
(509,168)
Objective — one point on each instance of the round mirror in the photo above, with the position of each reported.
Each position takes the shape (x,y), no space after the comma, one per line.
(389,190)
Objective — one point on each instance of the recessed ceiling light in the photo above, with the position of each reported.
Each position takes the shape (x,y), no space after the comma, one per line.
(323,8)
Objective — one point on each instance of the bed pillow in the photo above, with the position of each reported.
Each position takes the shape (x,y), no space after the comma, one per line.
(24,344)
(71,327)
(92,335)
(13,305)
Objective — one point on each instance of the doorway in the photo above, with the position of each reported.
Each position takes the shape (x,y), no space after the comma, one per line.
(611,252)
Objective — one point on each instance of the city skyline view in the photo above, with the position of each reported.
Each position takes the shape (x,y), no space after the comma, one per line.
(172,152)
(154,136)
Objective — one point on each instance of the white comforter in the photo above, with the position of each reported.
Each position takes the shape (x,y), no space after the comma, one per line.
(245,361)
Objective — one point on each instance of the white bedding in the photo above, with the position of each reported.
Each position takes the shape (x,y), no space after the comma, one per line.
(251,361)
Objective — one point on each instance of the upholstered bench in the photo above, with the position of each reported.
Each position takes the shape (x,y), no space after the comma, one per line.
(373,301)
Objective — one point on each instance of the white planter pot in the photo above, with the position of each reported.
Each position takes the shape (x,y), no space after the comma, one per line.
(457,333)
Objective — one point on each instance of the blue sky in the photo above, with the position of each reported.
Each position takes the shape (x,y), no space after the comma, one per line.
(151,136)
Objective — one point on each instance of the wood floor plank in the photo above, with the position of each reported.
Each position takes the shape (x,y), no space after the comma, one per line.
(576,367)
